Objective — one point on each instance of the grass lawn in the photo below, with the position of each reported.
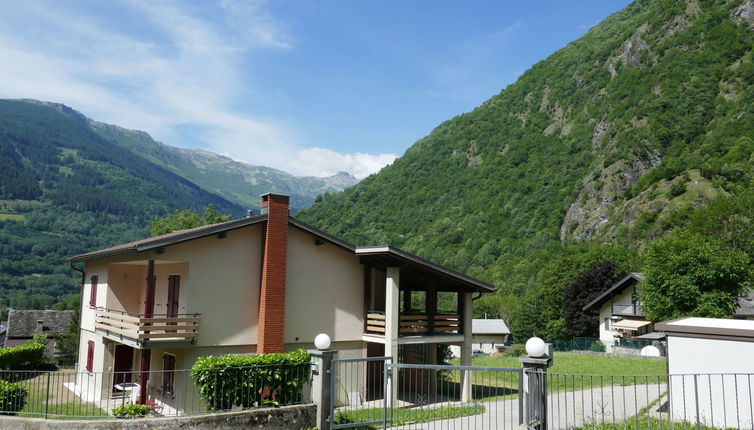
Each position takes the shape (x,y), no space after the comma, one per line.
(407,416)
(60,403)
(586,364)
(12,217)
(570,372)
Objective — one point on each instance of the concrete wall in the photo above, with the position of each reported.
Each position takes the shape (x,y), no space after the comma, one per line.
(724,400)
(287,417)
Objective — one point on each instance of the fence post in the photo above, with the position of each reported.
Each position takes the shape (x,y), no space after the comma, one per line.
(47,395)
(321,385)
(535,374)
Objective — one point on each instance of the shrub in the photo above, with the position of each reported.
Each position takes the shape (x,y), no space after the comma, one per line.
(29,356)
(132,411)
(516,350)
(12,397)
(251,380)
(597,346)
(677,189)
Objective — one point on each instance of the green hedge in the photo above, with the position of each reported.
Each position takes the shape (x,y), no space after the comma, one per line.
(29,356)
(12,397)
(233,380)
(132,411)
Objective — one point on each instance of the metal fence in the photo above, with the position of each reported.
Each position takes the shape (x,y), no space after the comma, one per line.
(432,397)
(70,394)
(357,390)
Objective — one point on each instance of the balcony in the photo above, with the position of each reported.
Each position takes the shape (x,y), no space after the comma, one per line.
(416,324)
(140,330)
(628,310)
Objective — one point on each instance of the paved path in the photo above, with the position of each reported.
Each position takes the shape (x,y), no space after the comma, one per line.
(567,410)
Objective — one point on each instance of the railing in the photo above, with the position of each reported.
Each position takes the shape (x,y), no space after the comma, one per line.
(69,394)
(418,324)
(630,309)
(139,327)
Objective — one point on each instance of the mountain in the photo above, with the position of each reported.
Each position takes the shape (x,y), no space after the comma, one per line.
(65,189)
(238,182)
(613,140)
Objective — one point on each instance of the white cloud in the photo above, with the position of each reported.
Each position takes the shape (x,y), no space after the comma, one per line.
(324,162)
(189,74)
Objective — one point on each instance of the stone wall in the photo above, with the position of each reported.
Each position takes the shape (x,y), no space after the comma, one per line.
(283,418)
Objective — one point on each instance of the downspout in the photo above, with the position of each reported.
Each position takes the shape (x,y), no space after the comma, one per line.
(81,304)
(474,298)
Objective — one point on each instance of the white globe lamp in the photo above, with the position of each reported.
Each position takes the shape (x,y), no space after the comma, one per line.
(322,341)
(535,347)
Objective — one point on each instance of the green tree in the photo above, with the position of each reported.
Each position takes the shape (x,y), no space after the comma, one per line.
(185,219)
(585,288)
(692,275)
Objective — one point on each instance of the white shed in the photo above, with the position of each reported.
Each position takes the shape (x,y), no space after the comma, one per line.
(711,365)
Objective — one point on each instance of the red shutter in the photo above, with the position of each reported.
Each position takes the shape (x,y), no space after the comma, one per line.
(93,292)
(168,374)
(90,356)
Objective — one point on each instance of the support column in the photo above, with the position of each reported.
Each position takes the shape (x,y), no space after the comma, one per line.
(466,316)
(392,324)
(321,388)
(146,354)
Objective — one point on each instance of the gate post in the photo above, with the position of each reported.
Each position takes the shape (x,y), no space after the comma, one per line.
(321,385)
(535,383)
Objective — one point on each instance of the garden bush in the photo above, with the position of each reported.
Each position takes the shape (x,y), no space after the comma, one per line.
(12,397)
(29,356)
(232,380)
(132,411)
(597,346)
(516,350)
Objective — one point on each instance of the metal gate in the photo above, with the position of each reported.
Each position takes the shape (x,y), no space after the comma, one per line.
(357,390)
(420,395)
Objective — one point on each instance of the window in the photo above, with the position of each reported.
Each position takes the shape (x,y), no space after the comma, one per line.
(168,373)
(607,324)
(93,291)
(90,356)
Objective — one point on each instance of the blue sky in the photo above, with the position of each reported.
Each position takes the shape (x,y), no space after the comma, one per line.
(309,87)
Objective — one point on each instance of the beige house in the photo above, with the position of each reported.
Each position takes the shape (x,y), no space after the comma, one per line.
(265,283)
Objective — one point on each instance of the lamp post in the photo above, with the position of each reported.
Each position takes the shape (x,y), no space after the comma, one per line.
(535,364)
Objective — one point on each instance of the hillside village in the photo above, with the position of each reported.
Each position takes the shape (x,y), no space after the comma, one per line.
(587,232)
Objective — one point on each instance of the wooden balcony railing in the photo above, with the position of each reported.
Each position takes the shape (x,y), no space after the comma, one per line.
(419,324)
(140,328)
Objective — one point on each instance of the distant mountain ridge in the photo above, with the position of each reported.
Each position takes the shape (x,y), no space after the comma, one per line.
(236,181)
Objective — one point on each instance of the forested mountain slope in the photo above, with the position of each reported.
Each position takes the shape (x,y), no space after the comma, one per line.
(238,182)
(614,140)
(64,190)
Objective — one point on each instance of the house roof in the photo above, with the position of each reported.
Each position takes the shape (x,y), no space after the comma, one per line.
(745,306)
(384,253)
(630,279)
(709,328)
(489,326)
(388,256)
(23,323)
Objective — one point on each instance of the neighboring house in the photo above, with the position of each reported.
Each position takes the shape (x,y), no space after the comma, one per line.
(486,335)
(3,332)
(260,284)
(24,324)
(622,318)
(711,367)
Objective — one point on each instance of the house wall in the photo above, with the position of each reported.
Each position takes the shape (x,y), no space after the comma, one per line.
(721,397)
(220,277)
(324,291)
(94,386)
(126,283)
(607,335)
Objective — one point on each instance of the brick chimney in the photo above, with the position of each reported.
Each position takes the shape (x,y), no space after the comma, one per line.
(274,261)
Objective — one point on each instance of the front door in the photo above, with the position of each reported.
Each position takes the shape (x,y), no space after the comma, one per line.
(124,357)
